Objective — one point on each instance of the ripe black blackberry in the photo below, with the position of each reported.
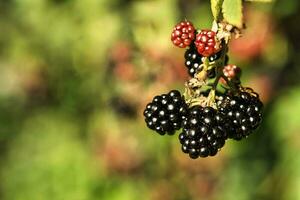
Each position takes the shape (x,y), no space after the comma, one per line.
(193,60)
(166,112)
(203,134)
(243,113)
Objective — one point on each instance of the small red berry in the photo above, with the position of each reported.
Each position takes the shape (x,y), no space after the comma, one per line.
(206,43)
(183,34)
(232,71)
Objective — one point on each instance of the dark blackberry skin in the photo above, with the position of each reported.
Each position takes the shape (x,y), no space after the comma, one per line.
(193,60)
(202,134)
(243,114)
(166,113)
(215,56)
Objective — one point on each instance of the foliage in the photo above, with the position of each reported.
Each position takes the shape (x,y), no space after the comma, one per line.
(232,12)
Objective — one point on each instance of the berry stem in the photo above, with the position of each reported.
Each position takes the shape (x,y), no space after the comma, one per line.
(205,63)
(211,99)
(230,84)
(220,65)
(201,82)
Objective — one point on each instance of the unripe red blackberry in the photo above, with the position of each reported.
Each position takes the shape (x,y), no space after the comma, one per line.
(183,34)
(166,112)
(206,43)
(232,71)
(202,134)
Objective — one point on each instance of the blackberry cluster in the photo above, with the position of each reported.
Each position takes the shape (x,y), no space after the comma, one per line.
(166,112)
(233,115)
(193,60)
(203,134)
(243,114)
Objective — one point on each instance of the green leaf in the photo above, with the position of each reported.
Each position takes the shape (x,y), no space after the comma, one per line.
(216,7)
(260,1)
(232,12)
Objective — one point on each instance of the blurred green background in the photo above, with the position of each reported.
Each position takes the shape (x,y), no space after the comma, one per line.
(74,79)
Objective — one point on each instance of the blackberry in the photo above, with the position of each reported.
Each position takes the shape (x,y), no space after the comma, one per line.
(166,112)
(183,34)
(243,113)
(206,43)
(202,134)
(232,72)
(193,60)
